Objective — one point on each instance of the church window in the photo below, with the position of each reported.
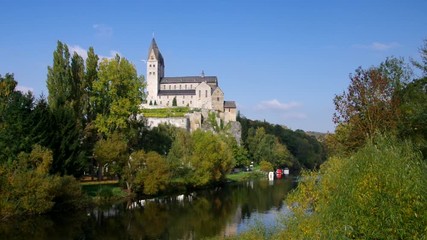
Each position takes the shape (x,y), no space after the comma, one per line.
(206,93)
(154,65)
(191,102)
(182,102)
(200,93)
(179,86)
(185,86)
(183,96)
(217,99)
(169,87)
(174,87)
(160,102)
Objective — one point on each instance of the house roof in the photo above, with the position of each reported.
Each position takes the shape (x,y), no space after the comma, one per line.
(230,104)
(177,92)
(157,53)
(189,79)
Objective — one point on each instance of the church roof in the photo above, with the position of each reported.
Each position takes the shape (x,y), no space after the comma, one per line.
(156,50)
(189,79)
(230,104)
(177,92)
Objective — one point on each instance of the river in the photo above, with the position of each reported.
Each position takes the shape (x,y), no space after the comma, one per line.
(221,211)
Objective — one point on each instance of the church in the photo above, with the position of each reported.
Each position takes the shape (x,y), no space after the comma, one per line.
(197,92)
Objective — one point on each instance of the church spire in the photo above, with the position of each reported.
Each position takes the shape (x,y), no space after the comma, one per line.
(154,48)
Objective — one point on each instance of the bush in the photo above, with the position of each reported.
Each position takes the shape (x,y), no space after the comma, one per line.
(378,193)
(265,166)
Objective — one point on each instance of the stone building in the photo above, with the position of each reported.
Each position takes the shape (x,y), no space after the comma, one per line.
(197,92)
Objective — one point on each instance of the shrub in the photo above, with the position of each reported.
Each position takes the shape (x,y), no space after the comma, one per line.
(378,193)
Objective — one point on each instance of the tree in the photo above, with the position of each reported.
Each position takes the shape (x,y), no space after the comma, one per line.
(211,158)
(91,76)
(267,147)
(27,188)
(371,103)
(265,166)
(111,153)
(155,174)
(423,64)
(117,95)
(15,119)
(77,90)
(174,104)
(59,78)
(180,153)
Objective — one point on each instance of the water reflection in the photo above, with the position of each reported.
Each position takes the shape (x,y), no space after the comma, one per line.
(224,210)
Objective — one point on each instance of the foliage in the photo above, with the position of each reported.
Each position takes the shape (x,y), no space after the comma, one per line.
(211,158)
(180,154)
(414,113)
(371,103)
(158,139)
(117,94)
(200,158)
(59,78)
(165,112)
(422,65)
(378,193)
(267,147)
(15,119)
(174,104)
(306,151)
(266,166)
(112,153)
(154,175)
(28,189)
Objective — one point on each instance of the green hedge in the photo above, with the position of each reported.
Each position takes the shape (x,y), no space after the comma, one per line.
(166,112)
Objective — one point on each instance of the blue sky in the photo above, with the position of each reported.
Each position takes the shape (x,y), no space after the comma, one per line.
(280,60)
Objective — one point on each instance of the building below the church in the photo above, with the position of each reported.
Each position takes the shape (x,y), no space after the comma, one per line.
(196,92)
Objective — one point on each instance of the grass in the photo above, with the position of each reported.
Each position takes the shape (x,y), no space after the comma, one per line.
(243,176)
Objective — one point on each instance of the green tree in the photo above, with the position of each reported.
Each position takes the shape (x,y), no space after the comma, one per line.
(117,95)
(77,90)
(111,154)
(155,175)
(211,158)
(59,77)
(267,147)
(180,153)
(15,119)
(174,104)
(91,76)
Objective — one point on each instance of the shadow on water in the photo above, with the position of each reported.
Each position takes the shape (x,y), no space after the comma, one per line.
(225,210)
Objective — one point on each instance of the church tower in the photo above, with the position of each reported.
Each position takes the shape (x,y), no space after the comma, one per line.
(155,71)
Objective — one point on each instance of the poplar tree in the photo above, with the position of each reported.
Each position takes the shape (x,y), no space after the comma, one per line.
(59,79)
